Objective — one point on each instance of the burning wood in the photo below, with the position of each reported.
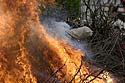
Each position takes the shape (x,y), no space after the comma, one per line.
(29,55)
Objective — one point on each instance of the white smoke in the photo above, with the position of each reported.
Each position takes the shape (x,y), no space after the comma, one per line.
(58,30)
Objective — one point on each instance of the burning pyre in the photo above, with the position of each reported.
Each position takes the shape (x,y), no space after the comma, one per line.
(29,55)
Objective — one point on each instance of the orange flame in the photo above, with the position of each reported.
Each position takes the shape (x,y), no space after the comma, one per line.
(29,55)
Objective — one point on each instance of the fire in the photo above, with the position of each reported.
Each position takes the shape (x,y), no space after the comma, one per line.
(29,55)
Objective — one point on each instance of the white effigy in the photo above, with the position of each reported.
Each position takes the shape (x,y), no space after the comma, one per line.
(80,33)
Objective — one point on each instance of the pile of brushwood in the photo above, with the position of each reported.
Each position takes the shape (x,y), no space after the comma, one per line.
(107,42)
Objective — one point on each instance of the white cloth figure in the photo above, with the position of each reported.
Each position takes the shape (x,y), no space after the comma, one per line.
(80,33)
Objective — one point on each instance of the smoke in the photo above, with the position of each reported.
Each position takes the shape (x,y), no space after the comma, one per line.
(53,19)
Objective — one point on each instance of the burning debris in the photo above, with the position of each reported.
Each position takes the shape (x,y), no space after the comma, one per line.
(29,55)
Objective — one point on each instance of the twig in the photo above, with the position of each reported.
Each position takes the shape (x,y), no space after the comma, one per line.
(76,72)
(96,76)
(54,73)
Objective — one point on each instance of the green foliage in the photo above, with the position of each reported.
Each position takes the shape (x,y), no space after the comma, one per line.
(72,6)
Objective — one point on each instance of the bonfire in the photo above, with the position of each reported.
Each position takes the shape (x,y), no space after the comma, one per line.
(29,55)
